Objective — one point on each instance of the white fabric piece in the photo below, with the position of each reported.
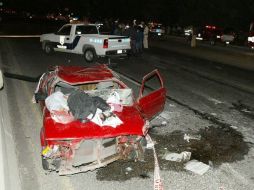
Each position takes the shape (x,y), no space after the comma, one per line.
(57,105)
(115,102)
(112,121)
(57,101)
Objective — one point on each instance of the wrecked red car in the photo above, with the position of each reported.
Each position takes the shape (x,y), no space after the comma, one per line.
(111,125)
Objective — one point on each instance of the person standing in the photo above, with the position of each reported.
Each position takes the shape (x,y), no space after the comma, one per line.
(139,40)
(131,32)
(145,40)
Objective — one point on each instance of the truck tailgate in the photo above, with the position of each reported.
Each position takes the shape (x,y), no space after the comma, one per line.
(116,43)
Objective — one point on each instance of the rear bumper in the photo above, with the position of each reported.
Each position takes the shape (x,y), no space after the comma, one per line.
(90,154)
(118,53)
(251,41)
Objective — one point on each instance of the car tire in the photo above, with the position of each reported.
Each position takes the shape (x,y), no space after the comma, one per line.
(212,41)
(48,49)
(45,163)
(90,55)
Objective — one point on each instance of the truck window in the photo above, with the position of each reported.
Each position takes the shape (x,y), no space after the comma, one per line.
(104,30)
(86,30)
(65,30)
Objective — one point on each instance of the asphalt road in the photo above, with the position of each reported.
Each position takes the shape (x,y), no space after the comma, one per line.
(205,99)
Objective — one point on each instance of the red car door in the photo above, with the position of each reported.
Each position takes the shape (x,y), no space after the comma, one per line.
(152,95)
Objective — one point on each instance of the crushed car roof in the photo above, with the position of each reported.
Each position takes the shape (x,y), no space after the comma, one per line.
(76,74)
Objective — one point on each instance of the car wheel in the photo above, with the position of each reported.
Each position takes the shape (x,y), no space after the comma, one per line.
(212,42)
(45,163)
(48,49)
(90,55)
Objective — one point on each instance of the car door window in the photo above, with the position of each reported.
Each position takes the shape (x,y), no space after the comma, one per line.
(152,95)
(66,30)
(151,84)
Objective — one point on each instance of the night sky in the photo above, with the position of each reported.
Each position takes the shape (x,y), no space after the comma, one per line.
(235,13)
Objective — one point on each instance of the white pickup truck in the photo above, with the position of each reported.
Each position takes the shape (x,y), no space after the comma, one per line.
(85,39)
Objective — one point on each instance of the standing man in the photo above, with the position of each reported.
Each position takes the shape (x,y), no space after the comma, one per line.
(131,32)
(139,40)
(145,40)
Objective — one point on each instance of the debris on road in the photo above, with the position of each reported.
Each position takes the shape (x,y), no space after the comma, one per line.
(213,114)
(165,114)
(176,157)
(233,127)
(189,137)
(215,101)
(197,167)
(164,123)
(128,169)
(244,109)
(218,145)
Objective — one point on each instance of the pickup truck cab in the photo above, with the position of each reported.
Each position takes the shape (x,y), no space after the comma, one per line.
(85,39)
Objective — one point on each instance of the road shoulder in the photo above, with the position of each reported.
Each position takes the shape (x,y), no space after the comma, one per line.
(9,175)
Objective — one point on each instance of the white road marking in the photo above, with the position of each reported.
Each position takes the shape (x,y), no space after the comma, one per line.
(215,100)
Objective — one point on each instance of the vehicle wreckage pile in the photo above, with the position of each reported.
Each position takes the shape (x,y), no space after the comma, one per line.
(91,118)
(77,105)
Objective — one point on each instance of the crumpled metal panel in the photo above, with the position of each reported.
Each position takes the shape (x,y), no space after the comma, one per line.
(93,154)
(76,74)
(92,150)
(132,125)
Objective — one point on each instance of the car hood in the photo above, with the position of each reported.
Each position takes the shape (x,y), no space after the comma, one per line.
(133,124)
(45,36)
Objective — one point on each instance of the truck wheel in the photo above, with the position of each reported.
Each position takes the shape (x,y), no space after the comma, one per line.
(48,49)
(90,55)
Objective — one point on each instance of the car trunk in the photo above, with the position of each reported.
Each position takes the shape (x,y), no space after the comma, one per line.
(88,130)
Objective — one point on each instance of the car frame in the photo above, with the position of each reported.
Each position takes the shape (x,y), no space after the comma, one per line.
(78,146)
